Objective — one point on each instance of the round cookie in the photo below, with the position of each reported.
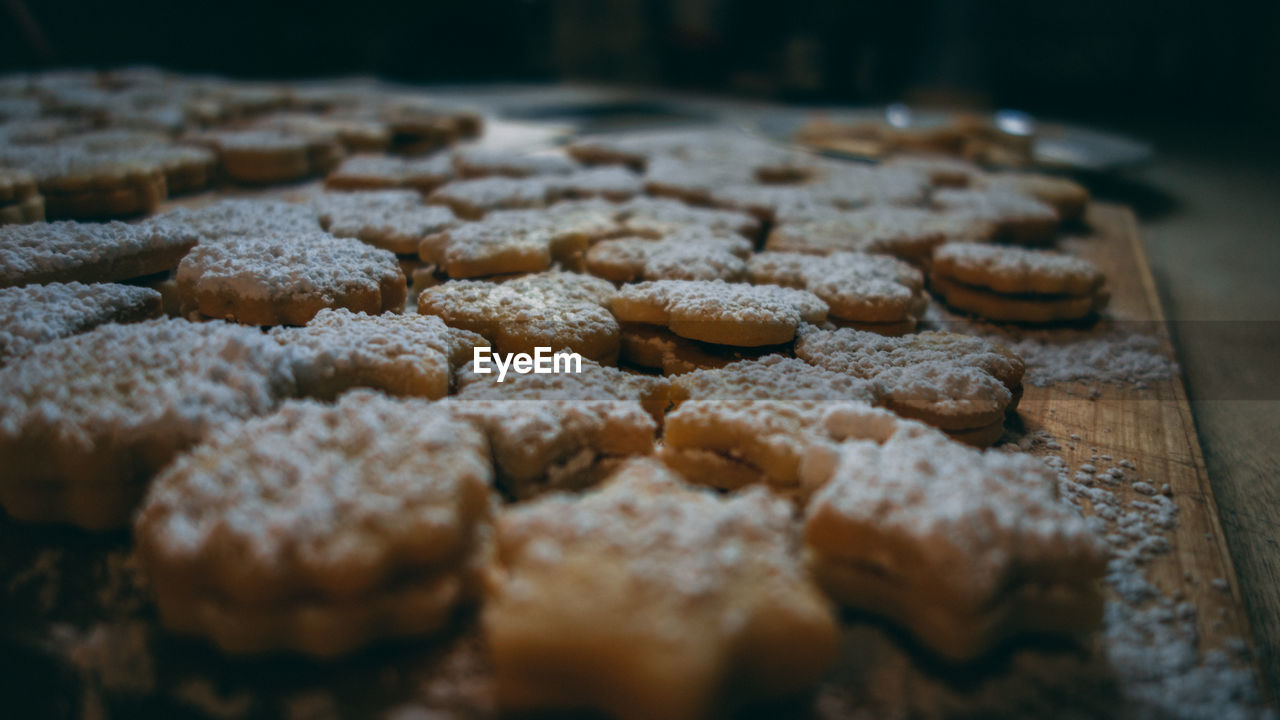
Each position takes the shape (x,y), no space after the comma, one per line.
(320,528)
(1019,308)
(857,287)
(1013,270)
(719,312)
(691,253)
(558,310)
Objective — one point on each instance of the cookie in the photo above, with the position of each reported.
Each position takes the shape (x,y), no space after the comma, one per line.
(383,172)
(691,253)
(87,420)
(910,234)
(857,287)
(187,169)
(1016,271)
(562,431)
(840,187)
(1067,197)
(690,180)
(406,355)
(732,443)
(235,217)
(260,157)
(555,310)
(508,242)
(657,217)
(656,348)
(719,312)
(394,220)
(320,528)
(608,183)
(89,186)
(87,252)
(1033,309)
(35,314)
(1015,217)
(471,199)
(470,163)
(963,549)
(958,383)
(323,132)
(591,381)
(942,170)
(697,603)
(1017,285)
(285,279)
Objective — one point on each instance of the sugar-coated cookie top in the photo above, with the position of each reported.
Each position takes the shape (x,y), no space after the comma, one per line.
(330,499)
(682,545)
(36,251)
(478,162)
(362,213)
(659,216)
(237,217)
(34,314)
(717,300)
(857,286)
(168,376)
(980,518)
(689,253)
(1016,270)
(279,266)
(773,377)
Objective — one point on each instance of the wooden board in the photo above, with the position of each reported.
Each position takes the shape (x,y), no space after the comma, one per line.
(1152,427)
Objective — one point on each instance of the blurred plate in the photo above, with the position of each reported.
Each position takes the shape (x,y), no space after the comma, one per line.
(1056,145)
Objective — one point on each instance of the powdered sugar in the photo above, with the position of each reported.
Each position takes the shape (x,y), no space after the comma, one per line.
(35,314)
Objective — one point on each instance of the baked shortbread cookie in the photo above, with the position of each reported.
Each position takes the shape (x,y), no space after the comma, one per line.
(609,183)
(961,384)
(1015,217)
(657,348)
(472,199)
(87,252)
(690,253)
(236,217)
(470,163)
(964,549)
(592,381)
(320,528)
(719,312)
(556,310)
(1017,285)
(871,292)
(394,220)
(286,279)
(1068,197)
(260,157)
(731,443)
(907,233)
(384,172)
(562,431)
(518,241)
(658,217)
(942,170)
(87,420)
(89,186)
(649,599)
(35,314)
(408,355)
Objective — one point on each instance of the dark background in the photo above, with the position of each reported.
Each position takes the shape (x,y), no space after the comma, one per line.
(1084,58)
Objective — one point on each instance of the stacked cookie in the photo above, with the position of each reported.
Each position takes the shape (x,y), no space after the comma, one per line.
(1016,285)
